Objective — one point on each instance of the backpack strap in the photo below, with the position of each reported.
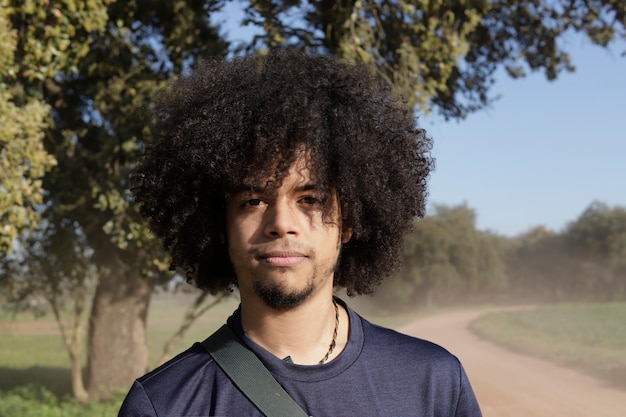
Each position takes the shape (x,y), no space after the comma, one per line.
(249,374)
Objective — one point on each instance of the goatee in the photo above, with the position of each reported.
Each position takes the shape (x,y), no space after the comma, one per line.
(275,296)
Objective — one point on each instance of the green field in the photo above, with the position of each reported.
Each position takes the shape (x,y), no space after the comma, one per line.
(35,375)
(589,337)
(34,366)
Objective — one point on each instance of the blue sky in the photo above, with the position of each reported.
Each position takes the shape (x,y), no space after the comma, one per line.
(544,151)
(541,154)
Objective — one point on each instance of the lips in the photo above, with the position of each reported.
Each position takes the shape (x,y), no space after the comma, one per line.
(282,258)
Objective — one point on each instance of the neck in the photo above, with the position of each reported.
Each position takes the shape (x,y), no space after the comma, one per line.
(303,333)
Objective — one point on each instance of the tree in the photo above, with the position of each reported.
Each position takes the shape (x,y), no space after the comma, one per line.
(597,240)
(23,159)
(587,261)
(440,54)
(539,267)
(445,257)
(96,65)
(90,69)
(53,265)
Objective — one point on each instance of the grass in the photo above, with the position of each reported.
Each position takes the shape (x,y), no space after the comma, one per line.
(25,358)
(34,366)
(37,401)
(27,355)
(166,315)
(36,353)
(590,337)
(35,375)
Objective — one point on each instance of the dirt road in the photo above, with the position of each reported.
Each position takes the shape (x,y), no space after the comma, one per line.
(512,385)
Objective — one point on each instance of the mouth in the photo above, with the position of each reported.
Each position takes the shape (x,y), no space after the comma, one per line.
(282,258)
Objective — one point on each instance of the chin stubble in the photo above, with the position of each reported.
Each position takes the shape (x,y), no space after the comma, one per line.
(276,296)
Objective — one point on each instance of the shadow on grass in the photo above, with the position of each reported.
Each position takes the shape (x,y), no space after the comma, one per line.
(56,380)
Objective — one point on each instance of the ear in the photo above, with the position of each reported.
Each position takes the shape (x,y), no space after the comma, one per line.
(346,235)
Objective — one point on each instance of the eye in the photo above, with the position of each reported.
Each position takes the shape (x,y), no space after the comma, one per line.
(311,200)
(252,202)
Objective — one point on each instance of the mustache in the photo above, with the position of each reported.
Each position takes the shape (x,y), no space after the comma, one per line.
(264,250)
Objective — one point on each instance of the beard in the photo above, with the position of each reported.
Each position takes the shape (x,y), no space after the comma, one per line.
(280,297)
(275,296)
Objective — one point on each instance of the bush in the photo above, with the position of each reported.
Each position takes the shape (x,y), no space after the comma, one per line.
(37,401)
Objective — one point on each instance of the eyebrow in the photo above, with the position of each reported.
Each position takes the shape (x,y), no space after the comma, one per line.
(307,187)
(257,189)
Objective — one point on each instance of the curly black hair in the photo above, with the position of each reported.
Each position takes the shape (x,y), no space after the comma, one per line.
(232,122)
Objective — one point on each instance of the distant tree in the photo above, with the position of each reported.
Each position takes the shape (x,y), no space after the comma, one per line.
(597,240)
(539,267)
(447,256)
(587,261)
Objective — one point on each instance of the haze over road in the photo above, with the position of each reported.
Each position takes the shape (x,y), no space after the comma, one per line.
(508,384)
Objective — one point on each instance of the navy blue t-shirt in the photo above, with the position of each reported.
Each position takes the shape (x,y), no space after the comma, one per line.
(380,373)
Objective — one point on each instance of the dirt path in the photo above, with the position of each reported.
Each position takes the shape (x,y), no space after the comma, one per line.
(512,385)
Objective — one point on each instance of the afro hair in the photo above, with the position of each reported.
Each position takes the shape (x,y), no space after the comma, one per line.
(232,121)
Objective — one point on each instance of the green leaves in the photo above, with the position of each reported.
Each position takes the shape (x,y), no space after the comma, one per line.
(585,261)
(23,162)
(38,41)
(446,256)
(55,35)
(599,233)
(440,55)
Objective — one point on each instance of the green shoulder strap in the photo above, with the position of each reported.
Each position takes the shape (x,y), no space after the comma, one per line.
(250,375)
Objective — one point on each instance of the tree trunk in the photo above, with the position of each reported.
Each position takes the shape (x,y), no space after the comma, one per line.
(73,339)
(78,388)
(118,345)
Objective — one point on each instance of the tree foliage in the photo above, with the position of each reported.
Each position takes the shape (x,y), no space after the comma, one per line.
(94,67)
(597,240)
(440,54)
(23,159)
(538,265)
(447,257)
(586,261)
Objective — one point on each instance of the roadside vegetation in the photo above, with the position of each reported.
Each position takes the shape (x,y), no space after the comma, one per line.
(38,401)
(590,337)
(35,375)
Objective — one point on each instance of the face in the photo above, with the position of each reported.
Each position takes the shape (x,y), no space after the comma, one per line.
(282,247)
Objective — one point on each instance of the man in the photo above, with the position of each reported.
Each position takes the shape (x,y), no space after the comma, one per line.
(287,177)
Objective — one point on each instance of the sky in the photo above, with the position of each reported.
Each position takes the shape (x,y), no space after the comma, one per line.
(544,151)
(541,154)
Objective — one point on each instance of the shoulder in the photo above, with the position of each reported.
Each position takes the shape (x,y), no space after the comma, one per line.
(411,353)
(391,340)
(419,368)
(164,391)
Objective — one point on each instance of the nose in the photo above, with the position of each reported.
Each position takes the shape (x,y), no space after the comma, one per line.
(280,219)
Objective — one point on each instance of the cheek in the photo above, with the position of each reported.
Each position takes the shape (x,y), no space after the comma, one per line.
(234,238)
(242,231)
